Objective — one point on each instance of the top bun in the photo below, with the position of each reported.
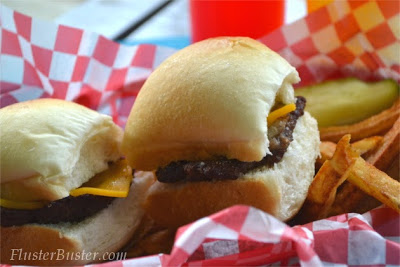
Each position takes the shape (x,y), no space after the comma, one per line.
(209,99)
(50,146)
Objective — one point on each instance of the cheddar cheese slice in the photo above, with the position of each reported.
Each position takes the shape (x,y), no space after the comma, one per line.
(113,182)
(280,112)
(21,205)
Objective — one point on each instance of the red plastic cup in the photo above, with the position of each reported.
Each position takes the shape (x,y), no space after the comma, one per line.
(211,18)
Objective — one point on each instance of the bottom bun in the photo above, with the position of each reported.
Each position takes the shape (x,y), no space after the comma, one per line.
(93,240)
(279,190)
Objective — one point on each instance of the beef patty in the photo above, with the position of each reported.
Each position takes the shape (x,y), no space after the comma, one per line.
(68,209)
(280,134)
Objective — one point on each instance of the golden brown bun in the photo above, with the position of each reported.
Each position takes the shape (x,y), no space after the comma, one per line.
(50,146)
(103,233)
(279,190)
(210,98)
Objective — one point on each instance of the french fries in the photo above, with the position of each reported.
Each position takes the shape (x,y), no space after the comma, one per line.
(349,197)
(321,194)
(374,182)
(344,155)
(326,150)
(353,177)
(322,191)
(394,169)
(390,148)
(345,182)
(367,145)
(362,147)
(375,125)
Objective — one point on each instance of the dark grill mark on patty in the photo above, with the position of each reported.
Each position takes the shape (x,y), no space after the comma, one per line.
(68,209)
(280,134)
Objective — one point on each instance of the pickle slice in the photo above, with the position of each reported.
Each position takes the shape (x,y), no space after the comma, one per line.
(349,100)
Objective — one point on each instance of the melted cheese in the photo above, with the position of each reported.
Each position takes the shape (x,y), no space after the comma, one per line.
(280,112)
(21,205)
(113,182)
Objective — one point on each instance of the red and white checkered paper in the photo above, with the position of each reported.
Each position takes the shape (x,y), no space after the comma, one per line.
(345,38)
(245,236)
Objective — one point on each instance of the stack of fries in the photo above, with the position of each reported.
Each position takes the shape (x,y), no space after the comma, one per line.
(354,177)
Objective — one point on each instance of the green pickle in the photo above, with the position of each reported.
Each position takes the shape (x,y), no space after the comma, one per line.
(347,101)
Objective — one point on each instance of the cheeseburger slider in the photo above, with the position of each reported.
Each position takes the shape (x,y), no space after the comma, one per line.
(219,124)
(67,196)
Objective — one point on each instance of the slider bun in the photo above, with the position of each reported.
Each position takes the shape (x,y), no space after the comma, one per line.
(211,98)
(279,190)
(50,146)
(107,231)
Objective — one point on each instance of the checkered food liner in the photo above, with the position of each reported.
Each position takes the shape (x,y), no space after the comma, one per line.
(245,236)
(346,38)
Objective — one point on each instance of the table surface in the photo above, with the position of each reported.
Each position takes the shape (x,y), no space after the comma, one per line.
(169,27)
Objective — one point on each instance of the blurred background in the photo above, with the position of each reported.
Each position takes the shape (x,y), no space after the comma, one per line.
(160,22)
